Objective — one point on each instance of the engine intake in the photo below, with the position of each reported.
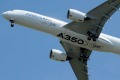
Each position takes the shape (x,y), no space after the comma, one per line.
(76,16)
(58,55)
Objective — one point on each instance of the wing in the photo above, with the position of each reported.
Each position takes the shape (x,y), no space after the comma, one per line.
(99,16)
(79,56)
(78,59)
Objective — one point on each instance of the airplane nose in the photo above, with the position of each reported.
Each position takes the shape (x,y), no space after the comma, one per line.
(4,14)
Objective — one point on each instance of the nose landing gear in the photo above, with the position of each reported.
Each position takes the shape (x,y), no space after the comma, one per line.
(12,22)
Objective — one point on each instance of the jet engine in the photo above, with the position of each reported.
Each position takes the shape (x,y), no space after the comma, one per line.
(76,16)
(58,55)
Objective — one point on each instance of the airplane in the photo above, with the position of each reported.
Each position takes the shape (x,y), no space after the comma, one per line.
(78,38)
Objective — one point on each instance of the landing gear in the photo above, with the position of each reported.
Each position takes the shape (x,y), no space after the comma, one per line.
(83,57)
(69,58)
(89,38)
(12,22)
(92,35)
(94,39)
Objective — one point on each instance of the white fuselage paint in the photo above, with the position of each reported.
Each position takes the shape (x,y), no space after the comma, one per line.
(55,27)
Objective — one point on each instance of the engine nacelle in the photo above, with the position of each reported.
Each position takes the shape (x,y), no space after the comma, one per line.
(76,16)
(58,55)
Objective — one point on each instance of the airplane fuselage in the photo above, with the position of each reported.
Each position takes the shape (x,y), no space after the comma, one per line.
(105,43)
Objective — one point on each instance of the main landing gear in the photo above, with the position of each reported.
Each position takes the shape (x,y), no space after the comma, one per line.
(12,22)
(83,57)
(92,36)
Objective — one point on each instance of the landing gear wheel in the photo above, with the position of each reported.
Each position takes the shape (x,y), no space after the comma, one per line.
(92,35)
(85,59)
(12,24)
(96,36)
(94,39)
(89,38)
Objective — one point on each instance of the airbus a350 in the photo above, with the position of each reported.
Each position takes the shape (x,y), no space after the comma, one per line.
(78,38)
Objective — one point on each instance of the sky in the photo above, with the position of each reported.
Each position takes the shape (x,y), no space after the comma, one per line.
(24,53)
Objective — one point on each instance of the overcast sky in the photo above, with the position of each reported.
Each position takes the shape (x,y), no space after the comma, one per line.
(24,53)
